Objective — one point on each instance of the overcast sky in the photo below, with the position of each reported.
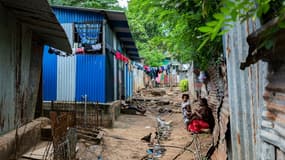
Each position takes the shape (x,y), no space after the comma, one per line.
(123,3)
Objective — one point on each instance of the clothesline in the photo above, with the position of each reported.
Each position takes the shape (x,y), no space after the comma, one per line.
(153,72)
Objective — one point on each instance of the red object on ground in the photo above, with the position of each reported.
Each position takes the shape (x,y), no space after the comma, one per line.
(197,125)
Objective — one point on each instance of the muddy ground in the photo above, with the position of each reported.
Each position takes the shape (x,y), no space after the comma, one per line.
(123,141)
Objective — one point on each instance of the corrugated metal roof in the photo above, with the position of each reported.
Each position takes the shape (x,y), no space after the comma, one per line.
(66,15)
(118,22)
(38,15)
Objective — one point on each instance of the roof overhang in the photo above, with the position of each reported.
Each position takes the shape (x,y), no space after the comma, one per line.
(119,24)
(38,15)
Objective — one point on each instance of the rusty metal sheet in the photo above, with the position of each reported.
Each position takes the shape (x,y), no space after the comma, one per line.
(215,98)
(21,57)
(39,17)
(64,137)
(245,96)
(273,121)
(223,139)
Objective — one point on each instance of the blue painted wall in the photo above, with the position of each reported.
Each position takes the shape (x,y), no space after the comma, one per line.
(49,75)
(90,77)
(92,71)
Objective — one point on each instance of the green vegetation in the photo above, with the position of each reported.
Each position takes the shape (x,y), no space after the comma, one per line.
(170,27)
(239,10)
(183,85)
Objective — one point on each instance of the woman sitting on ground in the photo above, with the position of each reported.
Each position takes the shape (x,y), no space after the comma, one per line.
(201,118)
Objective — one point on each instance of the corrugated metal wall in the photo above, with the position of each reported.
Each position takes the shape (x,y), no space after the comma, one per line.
(128,82)
(69,15)
(66,70)
(110,83)
(90,77)
(20,70)
(273,125)
(126,71)
(131,84)
(115,68)
(8,44)
(66,78)
(72,82)
(49,75)
(138,79)
(109,35)
(68,28)
(245,96)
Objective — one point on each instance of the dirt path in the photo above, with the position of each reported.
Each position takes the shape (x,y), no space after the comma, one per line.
(123,141)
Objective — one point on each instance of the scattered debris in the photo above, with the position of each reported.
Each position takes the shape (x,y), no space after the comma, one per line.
(92,135)
(164,110)
(132,107)
(147,138)
(153,92)
(161,119)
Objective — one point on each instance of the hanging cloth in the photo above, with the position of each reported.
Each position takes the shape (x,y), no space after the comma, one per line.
(88,32)
(118,55)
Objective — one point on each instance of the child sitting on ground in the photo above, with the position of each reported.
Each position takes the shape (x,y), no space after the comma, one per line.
(186,115)
(185,103)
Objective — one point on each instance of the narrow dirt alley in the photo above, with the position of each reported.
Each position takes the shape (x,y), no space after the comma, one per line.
(123,141)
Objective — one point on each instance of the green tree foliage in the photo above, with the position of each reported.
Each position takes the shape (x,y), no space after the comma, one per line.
(171,26)
(239,10)
(101,4)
